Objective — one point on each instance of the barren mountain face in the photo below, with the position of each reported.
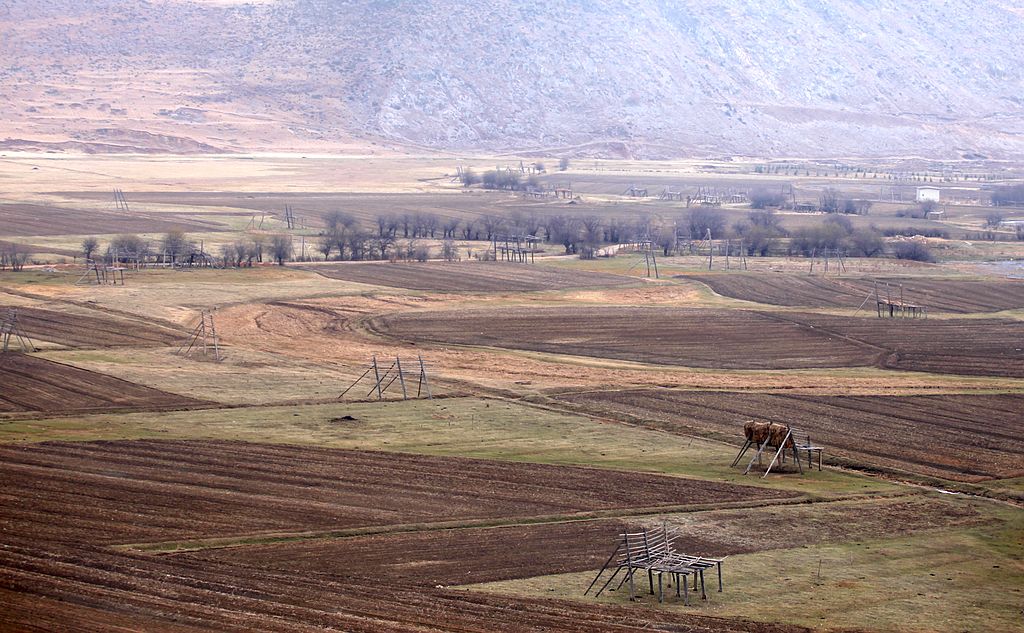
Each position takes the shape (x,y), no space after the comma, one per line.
(641,78)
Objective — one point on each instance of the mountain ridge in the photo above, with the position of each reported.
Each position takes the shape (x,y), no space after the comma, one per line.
(631,78)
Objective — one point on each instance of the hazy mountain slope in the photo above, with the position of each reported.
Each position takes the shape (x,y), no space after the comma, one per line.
(642,77)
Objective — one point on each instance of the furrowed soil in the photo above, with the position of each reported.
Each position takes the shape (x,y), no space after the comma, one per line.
(467,276)
(672,336)
(936,295)
(96,589)
(727,339)
(151,490)
(973,347)
(473,555)
(34,384)
(67,500)
(37,219)
(957,437)
(94,330)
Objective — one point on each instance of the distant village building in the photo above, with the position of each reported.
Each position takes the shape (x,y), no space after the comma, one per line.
(925,194)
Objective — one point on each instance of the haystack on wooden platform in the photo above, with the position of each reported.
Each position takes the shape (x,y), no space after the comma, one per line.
(784,439)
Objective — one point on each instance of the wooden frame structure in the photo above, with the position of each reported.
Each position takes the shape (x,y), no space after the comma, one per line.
(515,248)
(102,274)
(896,307)
(725,250)
(384,380)
(839,267)
(648,257)
(120,202)
(204,335)
(783,438)
(11,331)
(654,551)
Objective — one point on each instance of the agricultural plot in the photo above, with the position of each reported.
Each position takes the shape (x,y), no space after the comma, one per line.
(142,491)
(937,295)
(67,501)
(98,589)
(468,276)
(35,219)
(973,347)
(74,329)
(957,437)
(475,555)
(673,336)
(35,384)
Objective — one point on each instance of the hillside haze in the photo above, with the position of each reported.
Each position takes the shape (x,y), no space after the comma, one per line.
(632,78)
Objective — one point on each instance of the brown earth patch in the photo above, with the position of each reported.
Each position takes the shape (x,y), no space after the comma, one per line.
(151,490)
(731,339)
(38,219)
(937,295)
(36,384)
(79,330)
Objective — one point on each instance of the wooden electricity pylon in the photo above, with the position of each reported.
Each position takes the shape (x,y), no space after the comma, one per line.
(120,202)
(204,335)
(11,331)
(385,378)
(839,266)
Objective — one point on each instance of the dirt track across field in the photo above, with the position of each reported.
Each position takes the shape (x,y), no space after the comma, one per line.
(936,295)
(35,384)
(963,438)
(467,276)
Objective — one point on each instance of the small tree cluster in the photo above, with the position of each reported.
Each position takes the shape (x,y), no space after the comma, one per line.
(13,256)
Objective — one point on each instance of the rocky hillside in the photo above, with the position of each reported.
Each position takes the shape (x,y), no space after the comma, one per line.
(645,78)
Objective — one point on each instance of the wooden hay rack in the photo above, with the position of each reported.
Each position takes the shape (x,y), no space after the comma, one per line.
(654,551)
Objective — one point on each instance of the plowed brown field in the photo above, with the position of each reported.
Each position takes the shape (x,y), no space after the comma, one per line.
(128,491)
(727,339)
(673,336)
(468,276)
(95,330)
(473,555)
(937,295)
(974,347)
(36,219)
(963,438)
(64,501)
(98,590)
(28,383)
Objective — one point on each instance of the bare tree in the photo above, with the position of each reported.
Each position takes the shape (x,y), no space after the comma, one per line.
(325,244)
(89,246)
(448,251)
(281,248)
(175,244)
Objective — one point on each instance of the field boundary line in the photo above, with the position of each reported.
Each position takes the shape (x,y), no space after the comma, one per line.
(183,546)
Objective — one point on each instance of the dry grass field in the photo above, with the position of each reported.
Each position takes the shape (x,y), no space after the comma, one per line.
(572,399)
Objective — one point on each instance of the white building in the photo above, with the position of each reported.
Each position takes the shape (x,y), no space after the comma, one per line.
(927,193)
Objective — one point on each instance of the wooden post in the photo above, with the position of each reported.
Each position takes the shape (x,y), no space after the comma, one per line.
(376,374)
(401,378)
(423,377)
